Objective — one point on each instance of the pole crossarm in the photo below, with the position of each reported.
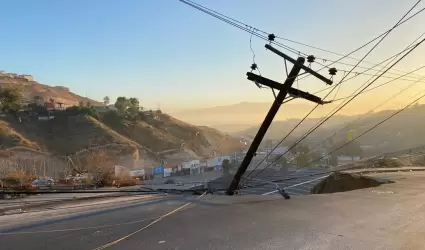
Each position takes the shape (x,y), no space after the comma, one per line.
(302,66)
(291,91)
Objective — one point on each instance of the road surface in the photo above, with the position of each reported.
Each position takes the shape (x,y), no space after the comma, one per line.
(390,216)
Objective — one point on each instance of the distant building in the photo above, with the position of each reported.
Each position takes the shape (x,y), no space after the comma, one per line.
(28,77)
(53,105)
(192,166)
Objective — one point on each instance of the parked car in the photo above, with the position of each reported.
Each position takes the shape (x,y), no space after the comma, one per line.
(126,182)
(43,184)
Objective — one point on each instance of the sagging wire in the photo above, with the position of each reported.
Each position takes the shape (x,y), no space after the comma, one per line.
(254,65)
(339,87)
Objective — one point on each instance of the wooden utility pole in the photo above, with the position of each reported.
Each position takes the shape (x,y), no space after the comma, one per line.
(284,89)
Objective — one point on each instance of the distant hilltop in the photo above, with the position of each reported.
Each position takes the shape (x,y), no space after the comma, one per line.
(14,75)
(31,89)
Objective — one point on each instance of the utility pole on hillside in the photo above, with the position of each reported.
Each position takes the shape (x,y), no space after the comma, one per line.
(284,89)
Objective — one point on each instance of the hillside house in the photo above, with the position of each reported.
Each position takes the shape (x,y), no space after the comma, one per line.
(192,167)
(53,105)
(28,77)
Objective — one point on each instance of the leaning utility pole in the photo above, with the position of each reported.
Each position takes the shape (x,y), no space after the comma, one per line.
(284,89)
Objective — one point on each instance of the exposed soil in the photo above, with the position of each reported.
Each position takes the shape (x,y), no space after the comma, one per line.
(342,182)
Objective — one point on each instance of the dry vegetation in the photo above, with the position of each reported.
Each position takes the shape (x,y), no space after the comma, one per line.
(31,89)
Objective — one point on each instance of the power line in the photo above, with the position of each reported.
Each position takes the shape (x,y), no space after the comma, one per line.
(367,113)
(360,92)
(367,131)
(363,73)
(247,28)
(250,29)
(382,38)
(354,96)
(253,30)
(385,83)
(368,68)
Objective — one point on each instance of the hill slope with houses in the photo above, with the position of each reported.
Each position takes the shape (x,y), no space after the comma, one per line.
(53,121)
(32,89)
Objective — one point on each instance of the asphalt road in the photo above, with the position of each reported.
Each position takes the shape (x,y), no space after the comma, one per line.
(387,217)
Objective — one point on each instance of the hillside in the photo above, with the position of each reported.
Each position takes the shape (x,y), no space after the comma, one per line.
(152,139)
(156,135)
(31,88)
(400,132)
(280,128)
(163,133)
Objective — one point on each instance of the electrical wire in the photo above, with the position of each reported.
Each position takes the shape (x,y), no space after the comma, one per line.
(367,131)
(221,16)
(251,29)
(342,106)
(382,84)
(366,114)
(369,69)
(288,99)
(359,92)
(149,225)
(365,91)
(308,114)
(81,228)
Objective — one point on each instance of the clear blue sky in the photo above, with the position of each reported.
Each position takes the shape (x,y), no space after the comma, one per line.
(163,51)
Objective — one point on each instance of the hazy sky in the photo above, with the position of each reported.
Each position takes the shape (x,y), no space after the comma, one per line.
(166,53)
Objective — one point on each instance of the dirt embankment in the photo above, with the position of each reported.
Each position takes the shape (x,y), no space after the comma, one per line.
(343,182)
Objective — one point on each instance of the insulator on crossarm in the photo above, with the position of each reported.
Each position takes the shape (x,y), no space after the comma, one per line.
(254,66)
(332,71)
(271,37)
(311,58)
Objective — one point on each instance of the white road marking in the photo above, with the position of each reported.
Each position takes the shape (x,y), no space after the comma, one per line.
(298,184)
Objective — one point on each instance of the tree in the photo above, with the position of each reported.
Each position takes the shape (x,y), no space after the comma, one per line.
(303,156)
(225,164)
(133,107)
(106,100)
(133,102)
(10,99)
(302,159)
(121,104)
(333,160)
(38,99)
